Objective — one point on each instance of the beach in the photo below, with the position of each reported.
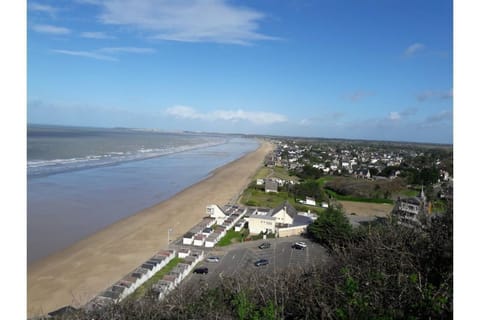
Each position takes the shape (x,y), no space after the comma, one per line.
(76,274)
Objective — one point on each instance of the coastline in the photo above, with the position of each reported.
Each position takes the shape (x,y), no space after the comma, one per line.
(76,274)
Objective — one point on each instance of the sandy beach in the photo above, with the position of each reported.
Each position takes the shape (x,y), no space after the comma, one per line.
(76,274)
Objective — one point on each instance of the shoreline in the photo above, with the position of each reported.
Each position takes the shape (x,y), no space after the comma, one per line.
(76,274)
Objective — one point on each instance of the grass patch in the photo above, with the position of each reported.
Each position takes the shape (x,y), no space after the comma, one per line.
(409,193)
(275,172)
(357,199)
(259,198)
(232,237)
(439,206)
(262,173)
(282,173)
(321,181)
(140,292)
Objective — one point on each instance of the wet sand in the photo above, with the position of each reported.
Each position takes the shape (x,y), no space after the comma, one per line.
(75,275)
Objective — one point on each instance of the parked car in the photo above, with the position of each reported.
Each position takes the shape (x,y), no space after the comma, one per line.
(299,245)
(201,270)
(213,259)
(261,262)
(264,245)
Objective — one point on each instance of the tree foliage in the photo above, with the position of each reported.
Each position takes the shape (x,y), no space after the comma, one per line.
(331,228)
(309,172)
(309,188)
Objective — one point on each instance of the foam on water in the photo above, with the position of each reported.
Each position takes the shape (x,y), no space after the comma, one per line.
(162,146)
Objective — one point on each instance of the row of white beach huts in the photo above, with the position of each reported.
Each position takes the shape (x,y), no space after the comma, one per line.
(203,234)
(128,284)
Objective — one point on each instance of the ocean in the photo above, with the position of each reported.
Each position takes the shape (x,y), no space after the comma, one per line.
(81,180)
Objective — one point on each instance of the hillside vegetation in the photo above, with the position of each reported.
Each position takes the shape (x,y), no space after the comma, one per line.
(367,189)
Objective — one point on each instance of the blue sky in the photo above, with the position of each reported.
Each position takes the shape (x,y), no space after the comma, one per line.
(365,69)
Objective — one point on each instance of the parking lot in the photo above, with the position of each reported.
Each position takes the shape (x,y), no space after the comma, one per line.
(239,259)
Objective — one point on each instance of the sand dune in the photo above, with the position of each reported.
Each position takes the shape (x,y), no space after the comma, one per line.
(76,274)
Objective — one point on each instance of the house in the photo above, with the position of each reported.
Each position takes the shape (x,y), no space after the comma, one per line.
(260,182)
(212,240)
(271,185)
(207,231)
(284,213)
(299,225)
(324,205)
(188,238)
(411,211)
(261,222)
(214,211)
(269,221)
(310,201)
(199,240)
(363,173)
(239,225)
(183,253)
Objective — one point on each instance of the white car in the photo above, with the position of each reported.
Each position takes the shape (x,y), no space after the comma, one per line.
(213,259)
(299,245)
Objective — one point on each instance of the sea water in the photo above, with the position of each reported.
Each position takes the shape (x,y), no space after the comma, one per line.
(80,180)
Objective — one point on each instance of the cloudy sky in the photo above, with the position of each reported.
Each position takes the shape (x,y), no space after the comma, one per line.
(324,68)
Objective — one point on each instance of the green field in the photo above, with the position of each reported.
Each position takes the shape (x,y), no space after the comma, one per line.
(262,173)
(357,199)
(321,181)
(409,193)
(275,172)
(282,173)
(259,198)
(439,206)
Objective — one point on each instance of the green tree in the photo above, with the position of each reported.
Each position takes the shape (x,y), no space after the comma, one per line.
(331,228)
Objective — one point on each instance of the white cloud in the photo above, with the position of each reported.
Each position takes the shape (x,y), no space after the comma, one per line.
(95,35)
(127,50)
(414,48)
(185,112)
(428,94)
(105,53)
(86,54)
(42,8)
(44,28)
(188,20)
(305,122)
(400,115)
(394,116)
(358,95)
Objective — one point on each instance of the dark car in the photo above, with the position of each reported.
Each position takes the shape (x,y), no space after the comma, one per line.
(261,262)
(201,270)
(264,245)
(298,247)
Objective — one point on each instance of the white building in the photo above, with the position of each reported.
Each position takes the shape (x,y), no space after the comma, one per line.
(271,185)
(217,213)
(310,201)
(269,221)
